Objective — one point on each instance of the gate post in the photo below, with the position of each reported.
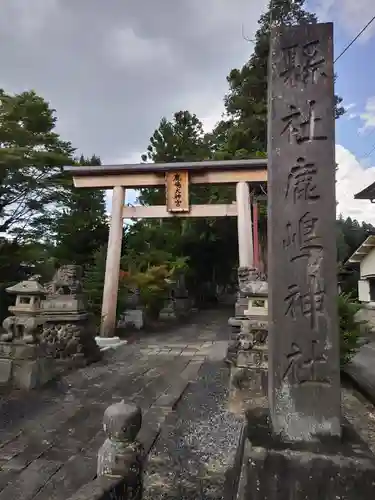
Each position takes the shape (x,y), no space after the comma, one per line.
(112,269)
(244,225)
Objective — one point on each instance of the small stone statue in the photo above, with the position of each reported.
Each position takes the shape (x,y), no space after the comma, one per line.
(67,280)
(68,329)
(120,452)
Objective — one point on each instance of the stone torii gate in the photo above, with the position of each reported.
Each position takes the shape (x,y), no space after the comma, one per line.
(177,178)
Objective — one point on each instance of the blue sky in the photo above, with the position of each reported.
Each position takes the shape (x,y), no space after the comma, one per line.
(355,83)
(355,131)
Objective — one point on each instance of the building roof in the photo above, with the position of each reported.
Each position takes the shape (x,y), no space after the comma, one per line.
(138,168)
(366,194)
(364,249)
(29,287)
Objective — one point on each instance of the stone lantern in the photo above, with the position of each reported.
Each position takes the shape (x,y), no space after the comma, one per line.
(248,350)
(24,362)
(26,319)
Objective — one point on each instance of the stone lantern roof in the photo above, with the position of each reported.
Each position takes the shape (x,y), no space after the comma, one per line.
(27,287)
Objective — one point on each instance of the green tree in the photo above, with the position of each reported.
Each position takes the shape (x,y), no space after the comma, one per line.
(80,227)
(210,245)
(243,133)
(181,139)
(31,160)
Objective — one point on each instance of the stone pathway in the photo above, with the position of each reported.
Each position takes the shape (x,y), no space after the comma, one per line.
(49,438)
(196,455)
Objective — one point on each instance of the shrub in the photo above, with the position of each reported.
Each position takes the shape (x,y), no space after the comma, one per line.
(152,275)
(350,329)
(153,285)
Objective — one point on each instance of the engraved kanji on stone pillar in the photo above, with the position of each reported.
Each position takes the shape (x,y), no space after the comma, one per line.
(304,363)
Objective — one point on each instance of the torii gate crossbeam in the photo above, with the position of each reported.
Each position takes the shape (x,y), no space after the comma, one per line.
(136,176)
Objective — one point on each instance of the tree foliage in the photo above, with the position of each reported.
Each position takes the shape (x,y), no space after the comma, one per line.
(209,244)
(45,221)
(350,329)
(80,226)
(31,160)
(243,131)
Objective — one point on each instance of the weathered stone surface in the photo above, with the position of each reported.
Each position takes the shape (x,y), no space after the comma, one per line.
(256,357)
(133,317)
(29,374)
(119,452)
(5,371)
(273,469)
(25,366)
(304,372)
(258,288)
(19,350)
(66,281)
(25,323)
(63,422)
(246,381)
(249,274)
(122,421)
(68,331)
(69,338)
(240,306)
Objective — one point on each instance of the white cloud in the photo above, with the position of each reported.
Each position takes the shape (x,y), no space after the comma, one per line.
(210,120)
(130,194)
(368,116)
(352,176)
(28,19)
(113,69)
(352,15)
(126,50)
(323,8)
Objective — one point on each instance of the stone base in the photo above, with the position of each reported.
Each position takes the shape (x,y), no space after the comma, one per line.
(70,338)
(249,380)
(254,358)
(240,306)
(272,469)
(245,328)
(24,366)
(105,343)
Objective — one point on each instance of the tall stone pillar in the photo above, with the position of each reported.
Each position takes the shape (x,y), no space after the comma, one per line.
(112,270)
(304,357)
(294,447)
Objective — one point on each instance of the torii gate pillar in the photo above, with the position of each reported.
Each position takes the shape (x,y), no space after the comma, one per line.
(112,269)
(244,225)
